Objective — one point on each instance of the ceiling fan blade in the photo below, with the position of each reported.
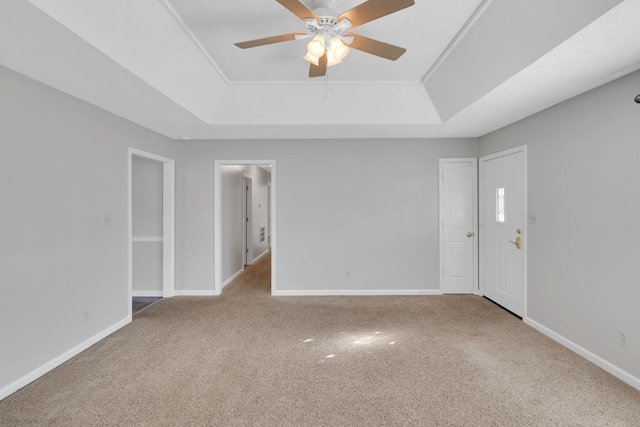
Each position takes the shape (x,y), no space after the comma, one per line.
(375,47)
(373,9)
(268,40)
(320,69)
(299,9)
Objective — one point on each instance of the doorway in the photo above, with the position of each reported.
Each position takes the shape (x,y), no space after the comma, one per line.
(503,228)
(255,240)
(151,231)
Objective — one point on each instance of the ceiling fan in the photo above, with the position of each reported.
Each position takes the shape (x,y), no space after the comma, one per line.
(327,27)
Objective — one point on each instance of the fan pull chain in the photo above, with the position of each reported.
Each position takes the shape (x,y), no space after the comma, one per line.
(326,85)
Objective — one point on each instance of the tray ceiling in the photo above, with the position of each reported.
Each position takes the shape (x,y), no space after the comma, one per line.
(471,66)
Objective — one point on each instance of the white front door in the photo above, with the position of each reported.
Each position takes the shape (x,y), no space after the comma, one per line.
(458,222)
(503,228)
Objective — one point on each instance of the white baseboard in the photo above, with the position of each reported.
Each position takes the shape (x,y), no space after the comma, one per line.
(196,293)
(355,292)
(147,293)
(591,357)
(37,373)
(256,259)
(231,279)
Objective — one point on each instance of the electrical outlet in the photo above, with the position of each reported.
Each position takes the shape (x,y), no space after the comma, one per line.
(107,221)
(623,339)
(347,274)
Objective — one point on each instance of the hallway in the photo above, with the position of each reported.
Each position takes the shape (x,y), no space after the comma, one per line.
(256,277)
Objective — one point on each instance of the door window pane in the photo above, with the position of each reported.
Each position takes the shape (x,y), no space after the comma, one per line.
(499,204)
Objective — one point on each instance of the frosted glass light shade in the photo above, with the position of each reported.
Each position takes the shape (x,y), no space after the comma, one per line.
(331,58)
(316,46)
(340,50)
(312,59)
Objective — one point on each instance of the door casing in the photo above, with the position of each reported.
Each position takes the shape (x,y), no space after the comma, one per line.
(168,222)
(217,220)
(247,220)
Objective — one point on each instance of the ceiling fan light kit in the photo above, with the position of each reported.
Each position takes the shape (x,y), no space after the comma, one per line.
(316,46)
(326,27)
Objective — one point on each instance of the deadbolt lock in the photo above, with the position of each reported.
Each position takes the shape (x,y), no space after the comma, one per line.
(470,234)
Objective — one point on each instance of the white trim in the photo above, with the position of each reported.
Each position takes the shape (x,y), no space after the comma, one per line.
(357,292)
(195,293)
(245,219)
(168,225)
(591,357)
(233,277)
(525,210)
(147,293)
(247,201)
(477,13)
(185,28)
(217,228)
(52,364)
(150,156)
(504,153)
(217,225)
(335,83)
(169,228)
(148,239)
(474,207)
(256,259)
(129,232)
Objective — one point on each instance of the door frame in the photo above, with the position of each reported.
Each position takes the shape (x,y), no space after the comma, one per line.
(247,220)
(168,222)
(525,228)
(217,219)
(474,207)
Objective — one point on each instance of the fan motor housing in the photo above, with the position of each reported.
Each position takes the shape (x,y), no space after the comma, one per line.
(327,20)
(325,4)
(327,11)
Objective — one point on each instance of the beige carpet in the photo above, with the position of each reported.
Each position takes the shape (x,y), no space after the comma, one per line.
(246,358)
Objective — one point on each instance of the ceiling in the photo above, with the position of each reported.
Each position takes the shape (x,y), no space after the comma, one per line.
(471,66)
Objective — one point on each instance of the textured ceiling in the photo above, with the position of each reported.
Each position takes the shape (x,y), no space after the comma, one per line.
(471,66)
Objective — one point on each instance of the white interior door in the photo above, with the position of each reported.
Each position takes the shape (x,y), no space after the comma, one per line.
(503,228)
(458,221)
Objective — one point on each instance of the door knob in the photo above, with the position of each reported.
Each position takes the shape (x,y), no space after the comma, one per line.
(470,234)
(518,242)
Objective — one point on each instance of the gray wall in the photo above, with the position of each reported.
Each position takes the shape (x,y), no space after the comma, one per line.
(370,206)
(231,221)
(63,167)
(260,205)
(147,182)
(584,189)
